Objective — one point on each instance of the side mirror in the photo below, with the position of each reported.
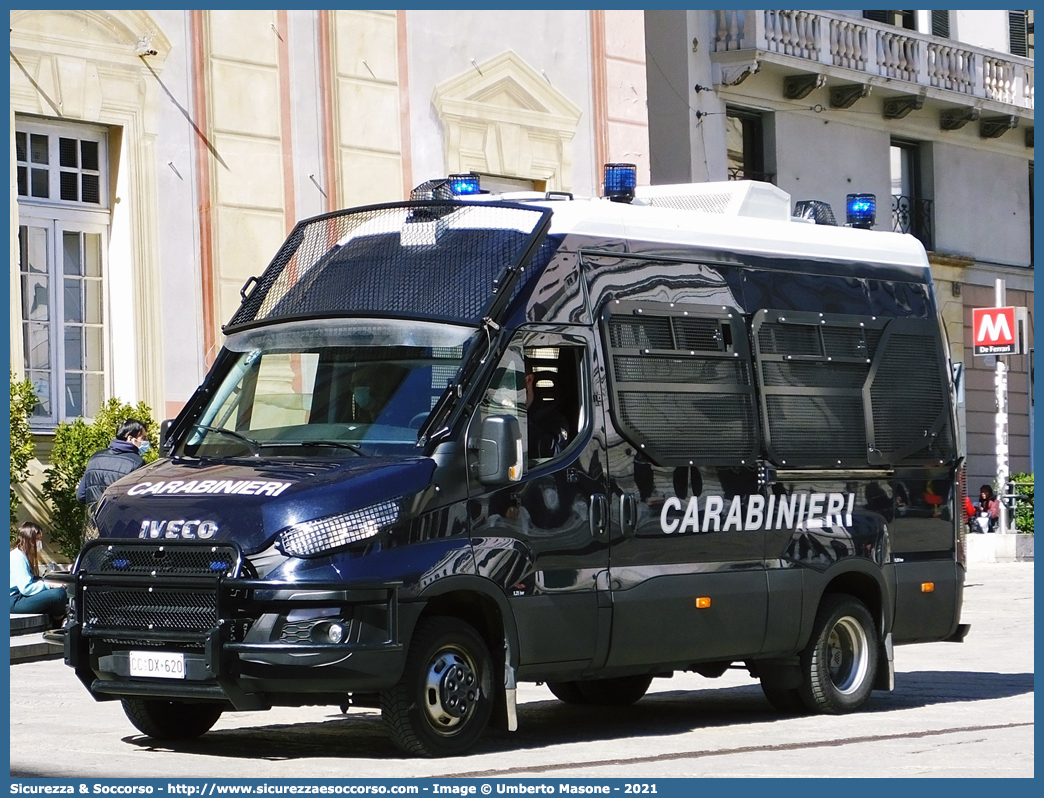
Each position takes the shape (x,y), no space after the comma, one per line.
(499,451)
(164,429)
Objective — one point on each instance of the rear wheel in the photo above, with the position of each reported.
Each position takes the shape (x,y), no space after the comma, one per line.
(840,662)
(171,720)
(569,692)
(443,702)
(617,692)
(787,700)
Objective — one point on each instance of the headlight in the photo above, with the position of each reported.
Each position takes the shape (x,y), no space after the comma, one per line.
(312,538)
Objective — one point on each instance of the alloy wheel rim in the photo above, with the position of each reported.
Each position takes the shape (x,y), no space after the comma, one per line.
(848,655)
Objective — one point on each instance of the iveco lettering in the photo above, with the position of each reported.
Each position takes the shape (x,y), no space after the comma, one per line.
(473,439)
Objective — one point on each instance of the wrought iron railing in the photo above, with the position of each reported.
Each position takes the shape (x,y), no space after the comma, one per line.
(737,173)
(913,215)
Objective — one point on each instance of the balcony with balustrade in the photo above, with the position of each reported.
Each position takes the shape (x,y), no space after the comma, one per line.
(852,57)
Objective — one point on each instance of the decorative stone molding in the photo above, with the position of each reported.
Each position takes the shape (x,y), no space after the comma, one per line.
(956,118)
(993,127)
(503,117)
(847,96)
(733,74)
(797,87)
(899,107)
(90,66)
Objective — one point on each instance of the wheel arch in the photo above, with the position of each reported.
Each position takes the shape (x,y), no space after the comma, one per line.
(862,580)
(481,604)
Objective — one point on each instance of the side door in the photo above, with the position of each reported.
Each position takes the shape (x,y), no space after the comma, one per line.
(687,566)
(544,538)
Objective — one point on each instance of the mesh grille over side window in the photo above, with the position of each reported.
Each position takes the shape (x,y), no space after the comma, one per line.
(812,368)
(851,391)
(909,395)
(681,387)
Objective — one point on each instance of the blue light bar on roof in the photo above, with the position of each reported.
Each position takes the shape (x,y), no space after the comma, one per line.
(620,180)
(861,210)
(464,184)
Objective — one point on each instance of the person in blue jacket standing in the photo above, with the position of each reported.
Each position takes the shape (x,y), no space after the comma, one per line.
(29,593)
(121,457)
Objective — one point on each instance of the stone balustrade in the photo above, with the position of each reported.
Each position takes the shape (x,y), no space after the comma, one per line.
(873,48)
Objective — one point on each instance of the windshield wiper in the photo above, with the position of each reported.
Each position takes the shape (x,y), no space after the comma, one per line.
(339,444)
(255,447)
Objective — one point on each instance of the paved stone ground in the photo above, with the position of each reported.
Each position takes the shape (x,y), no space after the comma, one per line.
(958,711)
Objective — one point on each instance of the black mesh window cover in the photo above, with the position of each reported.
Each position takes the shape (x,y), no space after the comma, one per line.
(440,261)
(843,391)
(909,394)
(681,390)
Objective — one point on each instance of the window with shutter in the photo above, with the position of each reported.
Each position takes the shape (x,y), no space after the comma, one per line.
(1017,33)
(941,24)
(901,19)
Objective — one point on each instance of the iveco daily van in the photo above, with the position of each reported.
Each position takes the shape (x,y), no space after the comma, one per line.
(468,440)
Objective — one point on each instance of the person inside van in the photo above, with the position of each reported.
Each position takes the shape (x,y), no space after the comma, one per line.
(373,387)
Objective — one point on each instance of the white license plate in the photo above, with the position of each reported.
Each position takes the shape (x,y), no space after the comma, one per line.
(157,664)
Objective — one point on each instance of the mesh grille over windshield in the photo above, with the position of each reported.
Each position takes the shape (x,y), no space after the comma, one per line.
(433,260)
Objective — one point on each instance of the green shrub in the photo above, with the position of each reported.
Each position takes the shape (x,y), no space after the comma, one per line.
(74,443)
(23,400)
(1023,484)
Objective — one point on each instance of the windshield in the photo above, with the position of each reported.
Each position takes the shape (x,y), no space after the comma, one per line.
(337,388)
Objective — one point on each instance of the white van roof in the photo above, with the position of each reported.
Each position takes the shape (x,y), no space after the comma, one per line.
(733,216)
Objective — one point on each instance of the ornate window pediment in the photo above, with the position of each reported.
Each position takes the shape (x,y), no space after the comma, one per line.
(503,117)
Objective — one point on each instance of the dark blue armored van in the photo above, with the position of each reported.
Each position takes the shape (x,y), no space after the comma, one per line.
(466,440)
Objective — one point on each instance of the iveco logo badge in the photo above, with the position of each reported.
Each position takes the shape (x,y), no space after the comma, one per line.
(180,529)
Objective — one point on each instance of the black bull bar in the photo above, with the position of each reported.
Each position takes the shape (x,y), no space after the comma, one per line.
(230,605)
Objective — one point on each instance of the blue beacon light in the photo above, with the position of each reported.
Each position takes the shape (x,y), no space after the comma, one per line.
(620,180)
(462,185)
(861,210)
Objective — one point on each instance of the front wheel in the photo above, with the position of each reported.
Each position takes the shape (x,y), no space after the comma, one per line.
(171,720)
(443,702)
(840,662)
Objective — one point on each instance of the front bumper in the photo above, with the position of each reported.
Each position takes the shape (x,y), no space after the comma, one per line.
(244,641)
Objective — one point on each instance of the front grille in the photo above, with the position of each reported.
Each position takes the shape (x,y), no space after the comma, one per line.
(149,609)
(152,559)
(298,631)
(151,599)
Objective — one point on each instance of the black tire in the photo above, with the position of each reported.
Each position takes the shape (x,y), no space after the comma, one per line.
(443,702)
(171,720)
(786,699)
(569,692)
(618,692)
(840,662)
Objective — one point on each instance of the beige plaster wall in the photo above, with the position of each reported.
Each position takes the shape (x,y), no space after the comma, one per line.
(366,129)
(626,90)
(246,130)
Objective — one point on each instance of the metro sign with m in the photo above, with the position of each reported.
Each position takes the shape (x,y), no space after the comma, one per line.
(995,330)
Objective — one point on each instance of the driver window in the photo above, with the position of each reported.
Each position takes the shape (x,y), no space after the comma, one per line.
(540,386)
